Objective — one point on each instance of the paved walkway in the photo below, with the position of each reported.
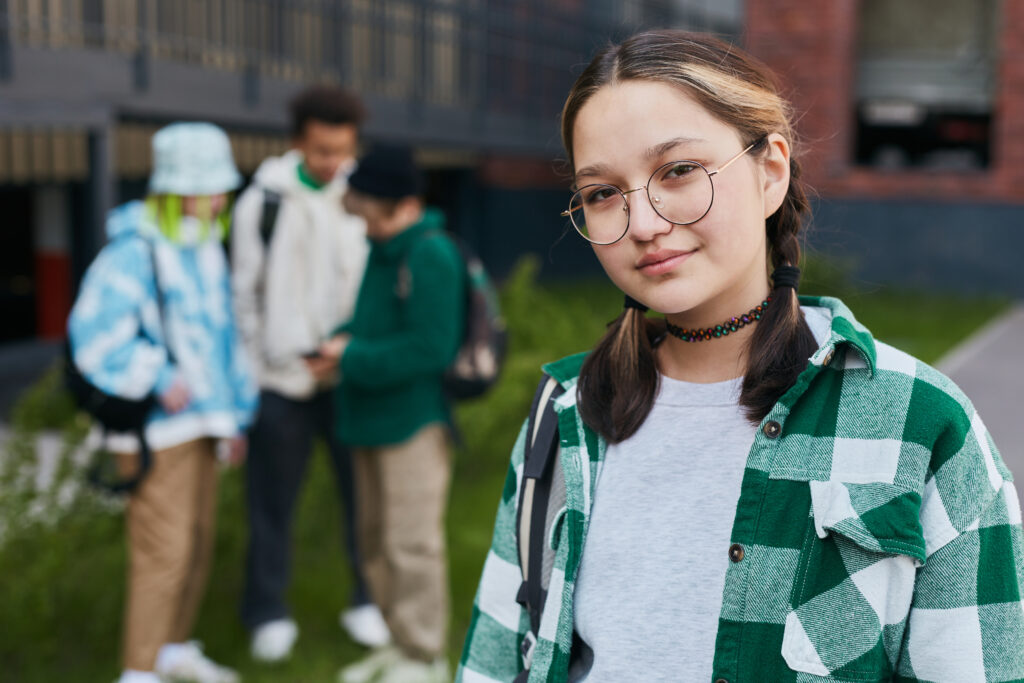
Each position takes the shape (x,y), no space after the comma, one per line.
(989,367)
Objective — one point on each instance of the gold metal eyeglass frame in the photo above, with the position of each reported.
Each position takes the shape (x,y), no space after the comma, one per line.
(622,193)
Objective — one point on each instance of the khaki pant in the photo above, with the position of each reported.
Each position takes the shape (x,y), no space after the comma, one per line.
(402,494)
(170,525)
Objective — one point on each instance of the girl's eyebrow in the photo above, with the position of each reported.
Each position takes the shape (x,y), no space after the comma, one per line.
(658,150)
(652,153)
(591,171)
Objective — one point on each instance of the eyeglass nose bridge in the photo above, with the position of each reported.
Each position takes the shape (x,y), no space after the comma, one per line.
(655,200)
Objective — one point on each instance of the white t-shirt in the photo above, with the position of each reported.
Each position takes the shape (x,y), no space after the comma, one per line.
(648,609)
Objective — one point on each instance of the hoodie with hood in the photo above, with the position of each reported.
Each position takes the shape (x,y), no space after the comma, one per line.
(293,292)
(120,332)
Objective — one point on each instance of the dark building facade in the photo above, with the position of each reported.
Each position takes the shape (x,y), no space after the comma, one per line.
(476,85)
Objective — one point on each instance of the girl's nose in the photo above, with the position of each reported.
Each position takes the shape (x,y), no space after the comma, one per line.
(644,222)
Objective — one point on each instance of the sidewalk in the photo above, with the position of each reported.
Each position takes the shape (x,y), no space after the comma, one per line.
(989,367)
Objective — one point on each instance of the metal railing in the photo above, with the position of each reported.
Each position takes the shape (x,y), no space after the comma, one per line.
(509,57)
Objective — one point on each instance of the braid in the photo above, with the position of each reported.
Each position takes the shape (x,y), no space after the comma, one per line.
(782,342)
(619,378)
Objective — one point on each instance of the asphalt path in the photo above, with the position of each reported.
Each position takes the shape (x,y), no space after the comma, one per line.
(989,367)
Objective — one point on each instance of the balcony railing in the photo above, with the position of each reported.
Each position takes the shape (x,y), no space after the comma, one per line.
(508,56)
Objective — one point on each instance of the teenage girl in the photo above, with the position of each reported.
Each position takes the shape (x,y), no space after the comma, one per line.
(756,489)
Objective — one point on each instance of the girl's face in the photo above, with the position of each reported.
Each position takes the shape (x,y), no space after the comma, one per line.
(714,268)
(204,208)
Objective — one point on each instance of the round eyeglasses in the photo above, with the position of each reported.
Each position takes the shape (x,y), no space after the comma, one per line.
(681,192)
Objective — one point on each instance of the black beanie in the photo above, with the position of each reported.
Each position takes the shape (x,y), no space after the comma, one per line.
(388,172)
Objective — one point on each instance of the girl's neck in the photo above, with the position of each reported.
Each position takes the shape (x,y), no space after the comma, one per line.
(714,360)
(704,362)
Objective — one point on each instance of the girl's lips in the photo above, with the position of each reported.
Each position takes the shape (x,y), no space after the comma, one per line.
(662,262)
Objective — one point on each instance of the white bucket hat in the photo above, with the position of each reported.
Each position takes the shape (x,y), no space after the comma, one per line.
(192,159)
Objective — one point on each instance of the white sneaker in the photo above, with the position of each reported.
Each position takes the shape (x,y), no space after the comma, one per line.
(134,676)
(366,625)
(272,641)
(185,662)
(405,670)
(368,668)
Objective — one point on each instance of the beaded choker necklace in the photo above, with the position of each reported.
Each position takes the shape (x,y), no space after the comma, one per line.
(723,330)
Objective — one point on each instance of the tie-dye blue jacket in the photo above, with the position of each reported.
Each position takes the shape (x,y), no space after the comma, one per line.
(120,341)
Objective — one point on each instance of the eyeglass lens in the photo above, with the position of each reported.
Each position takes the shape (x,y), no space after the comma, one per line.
(681,192)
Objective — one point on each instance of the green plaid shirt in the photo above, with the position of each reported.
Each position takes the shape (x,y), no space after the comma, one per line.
(877,535)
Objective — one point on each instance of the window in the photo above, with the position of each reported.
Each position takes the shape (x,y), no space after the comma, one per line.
(925,83)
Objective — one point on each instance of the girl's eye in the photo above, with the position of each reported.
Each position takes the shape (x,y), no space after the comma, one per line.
(678,170)
(598,194)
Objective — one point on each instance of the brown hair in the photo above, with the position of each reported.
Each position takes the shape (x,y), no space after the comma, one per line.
(619,378)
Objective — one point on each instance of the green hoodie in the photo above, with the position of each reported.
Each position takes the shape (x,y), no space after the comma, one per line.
(405,331)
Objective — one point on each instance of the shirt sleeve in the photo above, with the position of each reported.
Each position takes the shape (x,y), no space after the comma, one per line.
(430,338)
(491,653)
(966,621)
(105,324)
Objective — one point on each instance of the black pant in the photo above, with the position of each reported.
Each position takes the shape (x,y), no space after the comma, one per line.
(279,448)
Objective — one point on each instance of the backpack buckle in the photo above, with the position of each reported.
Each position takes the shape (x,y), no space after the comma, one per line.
(526,649)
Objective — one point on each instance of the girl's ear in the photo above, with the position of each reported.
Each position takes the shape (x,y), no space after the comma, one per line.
(776,173)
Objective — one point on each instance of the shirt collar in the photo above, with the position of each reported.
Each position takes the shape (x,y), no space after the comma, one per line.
(844,330)
(306,179)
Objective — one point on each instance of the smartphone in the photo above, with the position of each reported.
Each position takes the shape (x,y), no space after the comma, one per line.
(312,355)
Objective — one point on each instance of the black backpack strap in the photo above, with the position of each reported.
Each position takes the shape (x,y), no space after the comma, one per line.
(268,216)
(538,464)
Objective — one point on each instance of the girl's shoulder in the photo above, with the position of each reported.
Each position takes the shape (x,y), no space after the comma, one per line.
(889,411)
(879,379)
(565,370)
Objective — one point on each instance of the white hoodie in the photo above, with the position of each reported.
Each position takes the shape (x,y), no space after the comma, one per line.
(290,295)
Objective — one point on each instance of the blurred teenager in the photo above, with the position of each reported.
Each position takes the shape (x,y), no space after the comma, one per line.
(298,258)
(153,316)
(391,358)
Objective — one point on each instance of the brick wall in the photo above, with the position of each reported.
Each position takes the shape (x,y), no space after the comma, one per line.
(812,48)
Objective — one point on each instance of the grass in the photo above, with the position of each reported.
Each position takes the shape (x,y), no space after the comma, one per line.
(62,582)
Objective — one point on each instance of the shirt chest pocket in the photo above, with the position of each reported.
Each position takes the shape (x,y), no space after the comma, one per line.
(854,582)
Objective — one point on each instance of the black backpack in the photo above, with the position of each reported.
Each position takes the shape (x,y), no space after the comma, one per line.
(114,413)
(541,497)
(481,353)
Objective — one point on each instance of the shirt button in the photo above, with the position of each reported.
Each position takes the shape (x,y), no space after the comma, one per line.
(772,429)
(828,357)
(721,680)
(736,552)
